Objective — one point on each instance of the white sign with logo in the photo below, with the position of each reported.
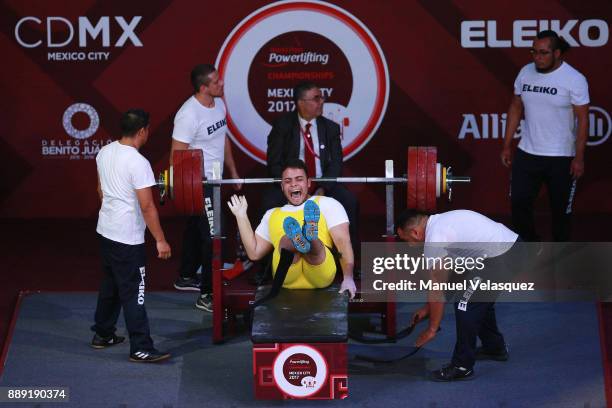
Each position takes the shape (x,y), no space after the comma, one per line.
(281,44)
(300,371)
(82,147)
(55,33)
(493,126)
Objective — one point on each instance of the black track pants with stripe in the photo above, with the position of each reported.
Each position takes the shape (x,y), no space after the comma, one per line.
(529,172)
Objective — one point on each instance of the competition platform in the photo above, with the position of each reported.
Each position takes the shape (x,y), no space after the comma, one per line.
(48,347)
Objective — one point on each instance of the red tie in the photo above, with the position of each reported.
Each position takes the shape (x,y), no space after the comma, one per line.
(309,157)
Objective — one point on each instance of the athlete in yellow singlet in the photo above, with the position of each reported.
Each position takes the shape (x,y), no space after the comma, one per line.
(300,234)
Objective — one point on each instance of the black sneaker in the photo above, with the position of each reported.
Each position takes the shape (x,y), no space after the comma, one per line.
(99,342)
(191,284)
(452,373)
(204,302)
(482,354)
(149,356)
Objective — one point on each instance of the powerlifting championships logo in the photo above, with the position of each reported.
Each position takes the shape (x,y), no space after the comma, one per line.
(286,42)
(300,371)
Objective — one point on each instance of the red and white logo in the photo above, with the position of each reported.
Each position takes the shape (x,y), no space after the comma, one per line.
(600,126)
(300,371)
(287,42)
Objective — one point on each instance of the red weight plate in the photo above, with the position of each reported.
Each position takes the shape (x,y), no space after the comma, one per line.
(187,182)
(177,169)
(422,179)
(196,178)
(432,157)
(411,176)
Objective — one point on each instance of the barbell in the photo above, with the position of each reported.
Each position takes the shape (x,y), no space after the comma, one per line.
(426,180)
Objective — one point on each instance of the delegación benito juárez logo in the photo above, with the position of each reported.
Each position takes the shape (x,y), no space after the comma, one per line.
(281,44)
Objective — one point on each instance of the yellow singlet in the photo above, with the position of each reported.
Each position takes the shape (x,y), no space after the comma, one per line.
(302,275)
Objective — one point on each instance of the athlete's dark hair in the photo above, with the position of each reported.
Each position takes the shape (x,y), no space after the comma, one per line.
(409,218)
(295,164)
(301,88)
(556,42)
(132,121)
(200,75)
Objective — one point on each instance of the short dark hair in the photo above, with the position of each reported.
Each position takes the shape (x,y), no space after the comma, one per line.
(408,218)
(295,164)
(300,89)
(556,42)
(132,121)
(200,75)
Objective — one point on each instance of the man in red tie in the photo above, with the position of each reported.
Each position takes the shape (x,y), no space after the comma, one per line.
(305,134)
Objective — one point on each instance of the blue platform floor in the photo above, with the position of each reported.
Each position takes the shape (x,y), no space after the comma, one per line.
(555,361)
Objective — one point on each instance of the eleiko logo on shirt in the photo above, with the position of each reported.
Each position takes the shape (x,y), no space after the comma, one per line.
(216,126)
(539,89)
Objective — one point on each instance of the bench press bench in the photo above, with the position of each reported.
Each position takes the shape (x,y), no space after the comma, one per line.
(300,344)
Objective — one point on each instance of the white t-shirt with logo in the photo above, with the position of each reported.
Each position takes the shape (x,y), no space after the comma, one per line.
(122,171)
(331,209)
(468,233)
(202,128)
(550,127)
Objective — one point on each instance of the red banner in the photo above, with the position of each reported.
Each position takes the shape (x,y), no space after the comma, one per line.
(395,74)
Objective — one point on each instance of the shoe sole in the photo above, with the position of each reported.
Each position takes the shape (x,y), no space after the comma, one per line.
(471,377)
(294,233)
(312,214)
(187,288)
(155,360)
(203,308)
(93,346)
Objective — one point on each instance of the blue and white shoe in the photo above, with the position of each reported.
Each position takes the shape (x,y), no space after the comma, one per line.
(312,213)
(294,232)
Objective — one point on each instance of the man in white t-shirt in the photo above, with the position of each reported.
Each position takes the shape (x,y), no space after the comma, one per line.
(201,123)
(301,252)
(444,235)
(125,179)
(555,100)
